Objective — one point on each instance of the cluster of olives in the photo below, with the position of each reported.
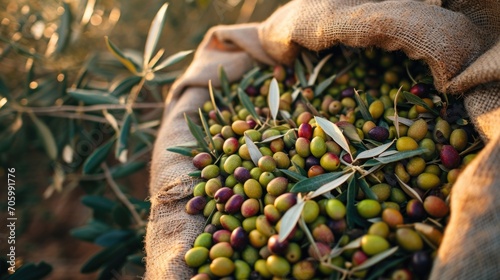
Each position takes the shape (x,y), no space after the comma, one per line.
(244,198)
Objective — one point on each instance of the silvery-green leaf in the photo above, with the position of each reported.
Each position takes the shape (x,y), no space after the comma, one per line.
(312,184)
(253,150)
(371,170)
(296,93)
(363,108)
(171,60)
(408,190)
(317,69)
(123,85)
(97,157)
(111,120)
(185,151)
(290,219)
(349,130)
(260,80)
(197,133)
(224,82)
(396,116)
(375,259)
(287,117)
(438,224)
(337,251)
(204,123)
(379,270)
(333,131)
(49,142)
(402,120)
(92,97)
(307,61)
(248,77)
(300,72)
(388,153)
(121,146)
(299,169)
(64,29)
(401,155)
(125,60)
(413,99)
(366,189)
(294,175)
(274,98)
(212,98)
(375,151)
(331,185)
(247,103)
(154,34)
(324,85)
(272,138)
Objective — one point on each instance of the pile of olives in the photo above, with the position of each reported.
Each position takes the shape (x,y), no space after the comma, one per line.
(386,221)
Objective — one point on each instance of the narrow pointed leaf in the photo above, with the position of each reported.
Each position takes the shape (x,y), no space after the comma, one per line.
(123,86)
(111,120)
(352,216)
(317,69)
(396,116)
(49,142)
(363,108)
(197,133)
(125,60)
(300,72)
(248,77)
(64,29)
(154,34)
(294,175)
(97,157)
(333,131)
(366,189)
(306,57)
(195,174)
(388,153)
(413,99)
(408,190)
(299,169)
(375,151)
(402,120)
(371,170)
(349,130)
(272,138)
(401,155)
(331,185)
(127,169)
(224,82)
(253,150)
(171,60)
(321,87)
(274,98)
(247,103)
(121,147)
(375,259)
(385,266)
(185,151)
(93,97)
(312,184)
(207,131)
(290,219)
(212,98)
(337,251)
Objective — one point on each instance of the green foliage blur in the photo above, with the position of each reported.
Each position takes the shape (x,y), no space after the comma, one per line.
(80,109)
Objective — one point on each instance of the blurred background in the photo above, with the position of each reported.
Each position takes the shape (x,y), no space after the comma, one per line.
(81,159)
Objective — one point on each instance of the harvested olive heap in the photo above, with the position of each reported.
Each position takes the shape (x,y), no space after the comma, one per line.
(339,168)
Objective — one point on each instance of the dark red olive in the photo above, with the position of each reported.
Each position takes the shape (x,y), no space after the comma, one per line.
(195,205)
(241,174)
(239,239)
(223,194)
(233,205)
(419,89)
(379,133)
(305,130)
(275,246)
(449,157)
(348,92)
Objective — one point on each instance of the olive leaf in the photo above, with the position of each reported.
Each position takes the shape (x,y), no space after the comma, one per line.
(206,128)
(300,72)
(185,151)
(363,108)
(253,150)
(337,250)
(121,146)
(375,259)
(312,184)
(402,120)
(299,169)
(224,82)
(220,119)
(331,185)
(401,155)
(64,29)
(274,98)
(317,69)
(173,59)
(333,131)
(247,103)
(197,133)
(413,99)
(92,97)
(408,190)
(49,143)
(375,151)
(125,60)
(388,153)
(290,219)
(349,130)
(272,138)
(318,90)
(248,77)
(154,34)
(366,189)
(383,267)
(352,216)
(97,157)
(294,175)
(396,116)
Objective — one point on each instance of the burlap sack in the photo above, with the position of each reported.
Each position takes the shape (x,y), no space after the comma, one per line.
(459,40)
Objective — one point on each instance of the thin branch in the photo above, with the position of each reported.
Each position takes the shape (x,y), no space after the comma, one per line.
(91,108)
(121,196)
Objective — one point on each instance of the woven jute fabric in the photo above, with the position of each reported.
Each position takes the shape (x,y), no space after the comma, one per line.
(458,39)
